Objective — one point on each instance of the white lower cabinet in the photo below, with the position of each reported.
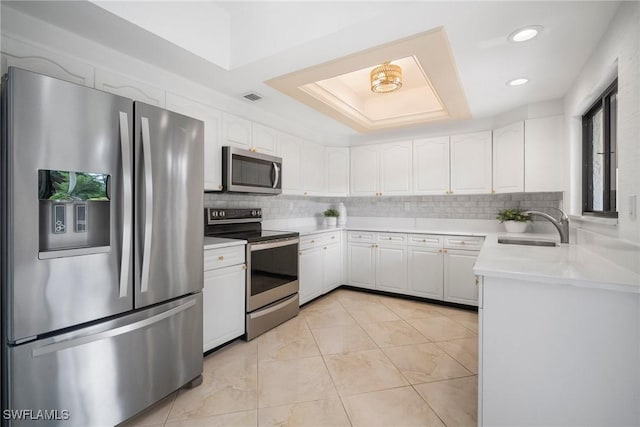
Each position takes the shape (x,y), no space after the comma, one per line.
(459,281)
(429,266)
(426,272)
(320,262)
(311,269)
(223,305)
(223,296)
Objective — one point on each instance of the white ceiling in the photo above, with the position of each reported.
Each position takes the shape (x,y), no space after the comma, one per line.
(268,39)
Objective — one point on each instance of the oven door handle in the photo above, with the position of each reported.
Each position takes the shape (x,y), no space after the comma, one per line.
(277,178)
(262,246)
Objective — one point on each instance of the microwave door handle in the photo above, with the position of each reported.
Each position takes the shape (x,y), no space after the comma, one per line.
(127,186)
(148,204)
(277,170)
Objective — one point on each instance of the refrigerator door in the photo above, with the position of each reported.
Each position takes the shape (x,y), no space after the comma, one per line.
(66,189)
(106,373)
(169,231)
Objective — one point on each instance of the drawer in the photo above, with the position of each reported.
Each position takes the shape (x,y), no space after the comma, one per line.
(319,239)
(391,238)
(463,242)
(361,236)
(223,257)
(426,240)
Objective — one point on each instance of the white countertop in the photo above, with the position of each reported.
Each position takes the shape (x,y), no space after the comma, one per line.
(567,264)
(218,242)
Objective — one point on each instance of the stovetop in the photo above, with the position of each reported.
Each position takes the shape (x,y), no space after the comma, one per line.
(243,224)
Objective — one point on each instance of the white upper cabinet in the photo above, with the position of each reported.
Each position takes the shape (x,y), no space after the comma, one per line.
(242,133)
(471,163)
(313,169)
(263,139)
(395,168)
(543,154)
(212,119)
(43,61)
(365,164)
(236,131)
(431,166)
(508,158)
(337,167)
(290,149)
(122,85)
(380,170)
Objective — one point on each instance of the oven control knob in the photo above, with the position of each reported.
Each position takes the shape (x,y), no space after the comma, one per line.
(254,213)
(222,213)
(214,213)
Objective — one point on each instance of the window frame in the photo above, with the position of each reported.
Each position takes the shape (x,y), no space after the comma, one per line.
(603,102)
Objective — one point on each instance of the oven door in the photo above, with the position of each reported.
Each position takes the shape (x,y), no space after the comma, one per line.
(272,271)
(245,171)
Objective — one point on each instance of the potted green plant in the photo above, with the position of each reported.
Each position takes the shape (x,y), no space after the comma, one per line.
(514,220)
(331,216)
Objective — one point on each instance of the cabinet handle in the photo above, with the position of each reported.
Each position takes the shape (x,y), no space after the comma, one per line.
(305,193)
(462,243)
(477,281)
(325,248)
(299,253)
(373,246)
(333,237)
(244,266)
(445,251)
(220,187)
(313,241)
(221,258)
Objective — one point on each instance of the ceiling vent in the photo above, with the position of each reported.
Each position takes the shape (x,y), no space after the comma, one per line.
(253,97)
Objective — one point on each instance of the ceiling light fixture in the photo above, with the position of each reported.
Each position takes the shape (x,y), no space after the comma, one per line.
(517,82)
(525,34)
(386,78)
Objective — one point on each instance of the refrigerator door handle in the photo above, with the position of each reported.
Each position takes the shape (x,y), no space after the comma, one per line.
(125,147)
(148,205)
(78,341)
(277,170)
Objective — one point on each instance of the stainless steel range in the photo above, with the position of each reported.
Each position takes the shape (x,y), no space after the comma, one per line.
(272,266)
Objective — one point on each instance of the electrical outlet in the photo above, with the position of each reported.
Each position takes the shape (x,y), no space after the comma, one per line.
(633,207)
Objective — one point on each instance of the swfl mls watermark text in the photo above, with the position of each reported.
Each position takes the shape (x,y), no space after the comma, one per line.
(36,414)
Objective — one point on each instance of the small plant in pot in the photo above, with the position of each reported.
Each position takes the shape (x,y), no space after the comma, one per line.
(514,220)
(331,217)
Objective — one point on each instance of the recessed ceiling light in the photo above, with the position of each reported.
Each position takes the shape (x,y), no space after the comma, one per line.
(517,82)
(524,34)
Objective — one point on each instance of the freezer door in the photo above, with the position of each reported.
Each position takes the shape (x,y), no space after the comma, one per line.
(67,201)
(104,374)
(169,229)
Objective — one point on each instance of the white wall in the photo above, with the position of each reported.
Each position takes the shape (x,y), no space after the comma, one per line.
(618,50)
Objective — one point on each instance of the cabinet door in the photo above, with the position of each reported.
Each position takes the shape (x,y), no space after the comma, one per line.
(236,131)
(337,167)
(313,168)
(18,54)
(212,119)
(362,265)
(365,163)
(223,309)
(426,274)
(119,84)
(395,168)
(311,269)
(543,154)
(391,268)
(459,280)
(332,267)
(263,138)
(471,163)
(508,159)
(431,166)
(290,149)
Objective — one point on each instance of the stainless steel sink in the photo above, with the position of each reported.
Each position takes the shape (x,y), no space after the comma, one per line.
(511,241)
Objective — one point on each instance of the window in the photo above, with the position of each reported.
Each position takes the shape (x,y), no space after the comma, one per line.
(600,160)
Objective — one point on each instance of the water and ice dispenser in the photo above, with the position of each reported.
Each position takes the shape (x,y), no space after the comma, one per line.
(74,213)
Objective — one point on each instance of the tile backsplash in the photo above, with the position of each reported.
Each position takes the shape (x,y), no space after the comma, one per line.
(481,206)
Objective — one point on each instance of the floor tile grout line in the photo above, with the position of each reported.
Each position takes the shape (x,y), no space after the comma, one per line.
(427,403)
(173,402)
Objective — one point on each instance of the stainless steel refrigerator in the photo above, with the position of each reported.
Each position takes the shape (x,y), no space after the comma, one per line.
(102,236)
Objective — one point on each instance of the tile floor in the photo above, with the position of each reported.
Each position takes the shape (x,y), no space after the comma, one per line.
(349,358)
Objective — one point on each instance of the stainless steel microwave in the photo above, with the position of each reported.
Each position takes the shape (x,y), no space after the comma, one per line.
(245,171)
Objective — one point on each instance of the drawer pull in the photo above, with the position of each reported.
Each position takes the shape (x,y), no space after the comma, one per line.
(325,248)
(221,258)
(333,237)
(313,241)
(462,243)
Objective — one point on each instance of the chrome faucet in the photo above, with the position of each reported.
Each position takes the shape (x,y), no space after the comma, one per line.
(561,225)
